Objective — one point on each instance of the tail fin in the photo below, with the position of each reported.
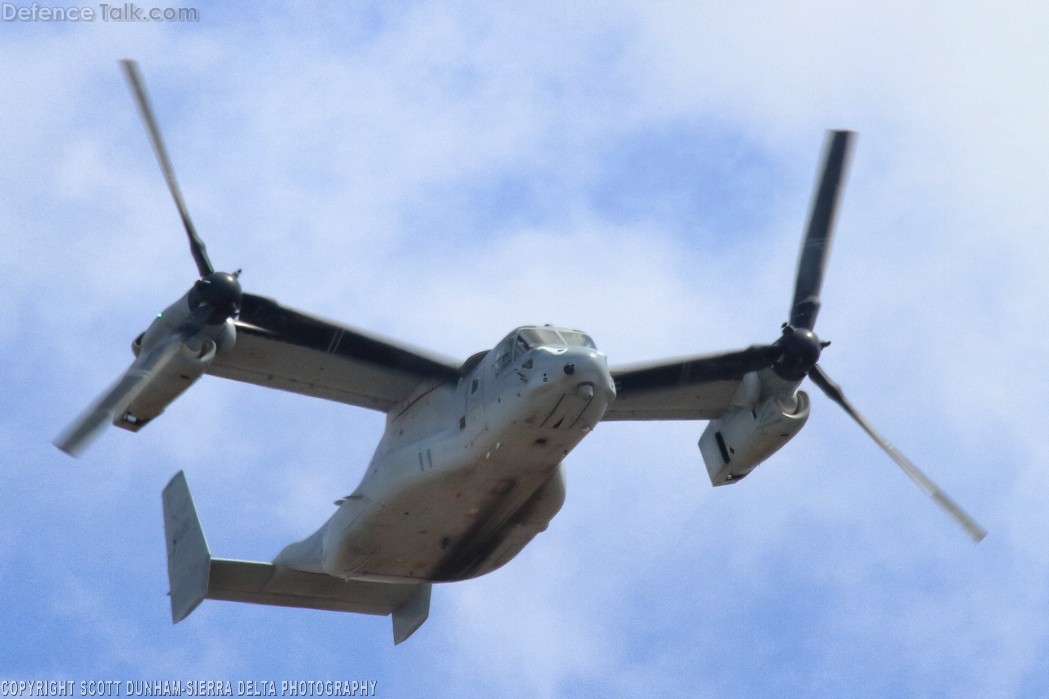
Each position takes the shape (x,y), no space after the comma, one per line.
(189,561)
(195,576)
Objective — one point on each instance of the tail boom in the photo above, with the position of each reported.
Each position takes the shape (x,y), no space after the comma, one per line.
(195,576)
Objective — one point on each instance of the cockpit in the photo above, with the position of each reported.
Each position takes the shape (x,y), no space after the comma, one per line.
(523,340)
(547,336)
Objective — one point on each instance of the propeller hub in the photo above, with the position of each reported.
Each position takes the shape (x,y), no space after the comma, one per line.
(221,291)
(800,351)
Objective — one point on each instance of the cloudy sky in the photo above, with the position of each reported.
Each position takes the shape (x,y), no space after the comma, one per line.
(443,172)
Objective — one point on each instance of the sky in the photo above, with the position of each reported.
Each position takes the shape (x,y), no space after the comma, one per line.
(441,173)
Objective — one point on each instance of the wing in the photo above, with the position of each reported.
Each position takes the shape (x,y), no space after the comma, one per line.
(695,388)
(282,348)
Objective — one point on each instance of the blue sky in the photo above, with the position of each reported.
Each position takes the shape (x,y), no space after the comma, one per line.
(443,172)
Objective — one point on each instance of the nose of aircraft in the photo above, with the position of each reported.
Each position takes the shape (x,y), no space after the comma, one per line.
(570,387)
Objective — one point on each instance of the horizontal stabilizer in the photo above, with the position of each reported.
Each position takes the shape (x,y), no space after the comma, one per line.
(194,576)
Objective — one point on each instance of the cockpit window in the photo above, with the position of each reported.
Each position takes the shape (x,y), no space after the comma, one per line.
(530,338)
(577,339)
(503,354)
(522,345)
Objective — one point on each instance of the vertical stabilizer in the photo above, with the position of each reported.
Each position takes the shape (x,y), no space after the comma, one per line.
(408,617)
(189,562)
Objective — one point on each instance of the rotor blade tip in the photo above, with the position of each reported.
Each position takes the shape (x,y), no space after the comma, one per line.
(68,446)
(977,532)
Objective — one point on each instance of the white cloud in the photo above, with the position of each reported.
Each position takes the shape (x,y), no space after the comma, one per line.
(442,174)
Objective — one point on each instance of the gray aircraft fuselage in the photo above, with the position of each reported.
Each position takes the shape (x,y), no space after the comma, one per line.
(466,475)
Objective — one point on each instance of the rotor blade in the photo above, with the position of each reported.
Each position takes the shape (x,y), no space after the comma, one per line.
(833,391)
(816,246)
(194,322)
(138,87)
(84,429)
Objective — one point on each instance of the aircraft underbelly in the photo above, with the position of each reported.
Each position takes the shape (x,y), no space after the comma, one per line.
(460,517)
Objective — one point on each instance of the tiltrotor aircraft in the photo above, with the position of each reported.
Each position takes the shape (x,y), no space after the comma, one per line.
(469,468)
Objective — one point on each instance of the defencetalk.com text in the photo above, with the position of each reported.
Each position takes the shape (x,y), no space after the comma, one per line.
(107,12)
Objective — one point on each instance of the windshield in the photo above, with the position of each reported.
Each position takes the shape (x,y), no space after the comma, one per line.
(529,338)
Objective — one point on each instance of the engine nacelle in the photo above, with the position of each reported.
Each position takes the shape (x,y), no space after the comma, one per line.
(171,318)
(734,444)
(165,384)
(164,381)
